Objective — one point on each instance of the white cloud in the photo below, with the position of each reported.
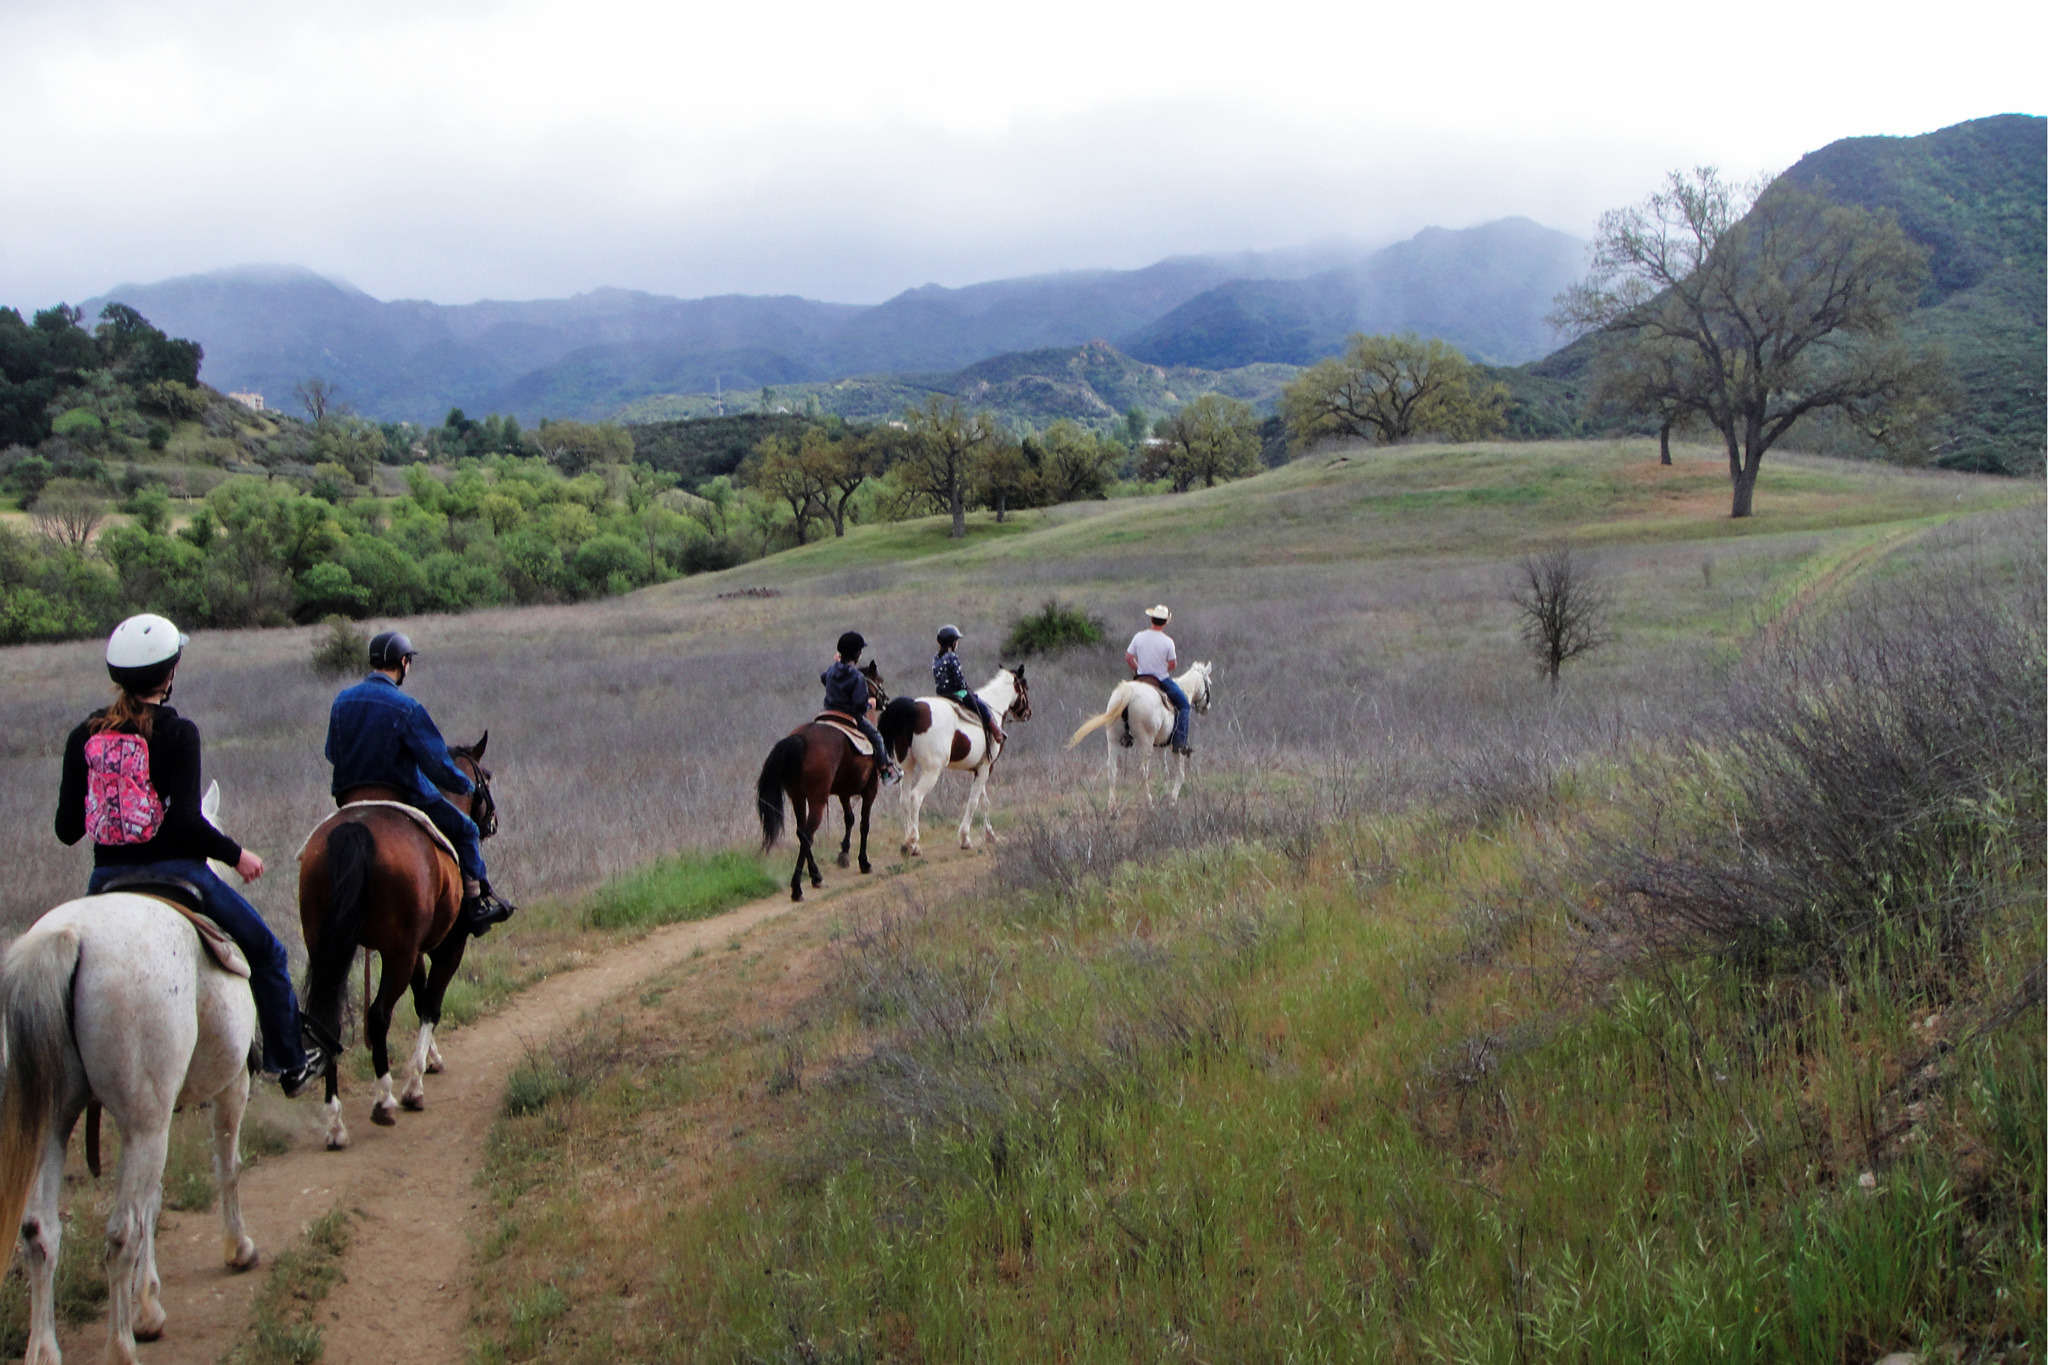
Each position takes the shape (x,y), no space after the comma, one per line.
(523,148)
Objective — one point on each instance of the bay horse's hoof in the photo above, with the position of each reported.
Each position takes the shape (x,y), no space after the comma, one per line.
(866,867)
(796,893)
(383,1116)
(845,861)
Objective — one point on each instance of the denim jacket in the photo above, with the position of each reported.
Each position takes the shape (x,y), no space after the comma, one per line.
(377,734)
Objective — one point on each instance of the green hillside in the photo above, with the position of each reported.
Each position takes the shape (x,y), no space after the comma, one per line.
(1973,195)
(1093,384)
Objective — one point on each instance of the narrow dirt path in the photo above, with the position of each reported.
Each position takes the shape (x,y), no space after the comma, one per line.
(409,1266)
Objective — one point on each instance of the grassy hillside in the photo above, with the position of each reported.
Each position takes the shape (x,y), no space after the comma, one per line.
(1093,384)
(1377,1047)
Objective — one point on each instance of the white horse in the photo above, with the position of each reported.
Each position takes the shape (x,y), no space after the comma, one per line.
(112,998)
(931,734)
(1150,716)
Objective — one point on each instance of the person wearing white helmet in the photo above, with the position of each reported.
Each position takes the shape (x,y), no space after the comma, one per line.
(131,781)
(1151,655)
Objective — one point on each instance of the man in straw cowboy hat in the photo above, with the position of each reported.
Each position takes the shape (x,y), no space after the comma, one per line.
(1151,655)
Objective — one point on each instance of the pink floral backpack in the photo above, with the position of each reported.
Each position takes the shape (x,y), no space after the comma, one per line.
(121,805)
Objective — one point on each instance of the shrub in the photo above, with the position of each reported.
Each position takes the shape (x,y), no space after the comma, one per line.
(340,648)
(1053,629)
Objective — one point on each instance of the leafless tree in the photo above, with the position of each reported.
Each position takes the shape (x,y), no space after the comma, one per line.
(68,512)
(317,397)
(1563,606)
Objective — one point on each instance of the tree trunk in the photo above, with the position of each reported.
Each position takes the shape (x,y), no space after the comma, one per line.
(959,506)
(1664,444)
(1745,488)
(1002,505)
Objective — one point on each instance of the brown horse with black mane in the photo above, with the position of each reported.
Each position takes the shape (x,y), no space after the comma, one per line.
(811,765)
(374,875)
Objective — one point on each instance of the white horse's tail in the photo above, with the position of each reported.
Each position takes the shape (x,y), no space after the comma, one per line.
(35,1031)
(1118,700)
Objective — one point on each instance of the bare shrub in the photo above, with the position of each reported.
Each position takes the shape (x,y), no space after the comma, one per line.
(1563,606)
(1884,775)
(68,512)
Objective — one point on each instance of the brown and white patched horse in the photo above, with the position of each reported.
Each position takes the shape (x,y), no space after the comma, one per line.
(372,877)
(931,734)
(811,765)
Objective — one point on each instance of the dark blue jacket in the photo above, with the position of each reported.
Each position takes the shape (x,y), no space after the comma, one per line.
(377,734)
(947,674)
(846,689)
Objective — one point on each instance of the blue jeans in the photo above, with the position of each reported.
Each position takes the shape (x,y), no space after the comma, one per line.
(1181,712)
(461,832)
(277,1009)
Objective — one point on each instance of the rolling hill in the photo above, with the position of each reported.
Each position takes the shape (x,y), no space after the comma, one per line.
(1093,384)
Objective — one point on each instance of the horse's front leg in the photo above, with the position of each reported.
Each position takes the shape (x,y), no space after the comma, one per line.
(846,844)
(337,1131)
(237,1248)
(913,797)
(974,791)
(429,989)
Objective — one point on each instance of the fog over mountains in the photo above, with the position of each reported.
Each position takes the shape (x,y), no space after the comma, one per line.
(266,328)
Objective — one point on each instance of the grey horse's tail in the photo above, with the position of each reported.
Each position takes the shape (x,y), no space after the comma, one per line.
(1118,700)
(35,1031)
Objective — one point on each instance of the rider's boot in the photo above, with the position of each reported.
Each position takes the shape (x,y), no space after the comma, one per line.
(482,907)
(892,772)
(319,1048)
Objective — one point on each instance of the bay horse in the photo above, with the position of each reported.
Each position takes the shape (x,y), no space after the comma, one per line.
(810,765)
(112,999)
(371,876)
(1149,723)
(929,735)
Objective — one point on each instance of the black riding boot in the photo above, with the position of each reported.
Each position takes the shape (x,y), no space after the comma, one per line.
(483,908)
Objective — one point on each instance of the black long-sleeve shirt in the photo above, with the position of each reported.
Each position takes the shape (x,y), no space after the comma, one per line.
(174,772)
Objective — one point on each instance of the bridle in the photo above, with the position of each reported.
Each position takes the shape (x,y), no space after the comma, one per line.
(1020,708)
(483,807)
(1208,693)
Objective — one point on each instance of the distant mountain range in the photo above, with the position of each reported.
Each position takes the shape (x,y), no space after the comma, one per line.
(267,328)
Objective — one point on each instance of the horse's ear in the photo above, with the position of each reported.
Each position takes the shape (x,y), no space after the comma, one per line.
(1020,672)
(476,750)
(209,804)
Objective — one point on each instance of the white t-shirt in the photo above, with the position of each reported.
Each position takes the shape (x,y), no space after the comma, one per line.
(1153,649)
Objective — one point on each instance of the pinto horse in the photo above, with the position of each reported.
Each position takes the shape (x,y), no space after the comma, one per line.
(810,765)
(112,1000)
(932,734)
(372,877)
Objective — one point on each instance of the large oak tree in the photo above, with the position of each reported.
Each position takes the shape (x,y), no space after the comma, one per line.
(1752,308)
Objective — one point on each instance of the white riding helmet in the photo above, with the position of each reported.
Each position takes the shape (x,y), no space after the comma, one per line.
(142,651)
(1159,613)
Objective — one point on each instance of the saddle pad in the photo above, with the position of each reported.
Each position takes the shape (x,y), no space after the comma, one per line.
(847,728)
(1154,684)
(419,817)
(967,714)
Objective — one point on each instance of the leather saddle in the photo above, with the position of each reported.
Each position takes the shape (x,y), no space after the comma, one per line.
(848,726)
(186,899)
(1154,684)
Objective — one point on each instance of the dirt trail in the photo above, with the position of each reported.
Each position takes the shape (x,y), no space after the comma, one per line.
(409,1269)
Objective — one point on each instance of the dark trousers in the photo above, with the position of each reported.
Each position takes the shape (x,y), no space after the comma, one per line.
(1181,711)
(874,737)
(277,1009)
(461,832)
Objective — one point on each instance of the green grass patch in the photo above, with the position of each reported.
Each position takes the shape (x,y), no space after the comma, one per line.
(281,1329)
(691,885)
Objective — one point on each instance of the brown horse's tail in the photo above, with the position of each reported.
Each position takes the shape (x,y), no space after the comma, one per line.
(35,1018)
(351,849)
(785,763)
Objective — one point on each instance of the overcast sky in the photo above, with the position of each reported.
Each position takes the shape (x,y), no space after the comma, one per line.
(455,151)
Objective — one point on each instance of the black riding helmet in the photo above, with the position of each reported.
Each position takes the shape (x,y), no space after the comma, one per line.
(850,645)
(390,648)
(949,635)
